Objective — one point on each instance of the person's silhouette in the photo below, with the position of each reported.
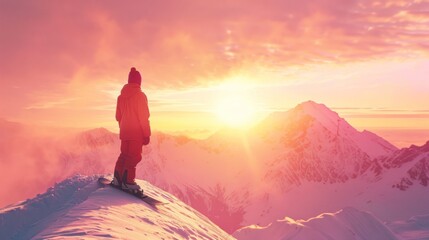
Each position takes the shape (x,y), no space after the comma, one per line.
(132,114)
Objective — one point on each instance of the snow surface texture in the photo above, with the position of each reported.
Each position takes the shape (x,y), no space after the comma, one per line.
(348,223)
(79,208)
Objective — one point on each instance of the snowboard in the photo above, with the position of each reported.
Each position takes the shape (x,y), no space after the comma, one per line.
(139,194)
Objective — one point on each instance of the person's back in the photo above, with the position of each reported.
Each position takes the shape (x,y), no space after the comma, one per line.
(132,114)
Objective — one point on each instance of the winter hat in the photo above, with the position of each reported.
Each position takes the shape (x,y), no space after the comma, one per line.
(134,76)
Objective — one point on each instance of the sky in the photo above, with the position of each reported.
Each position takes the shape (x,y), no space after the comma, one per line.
(63,63)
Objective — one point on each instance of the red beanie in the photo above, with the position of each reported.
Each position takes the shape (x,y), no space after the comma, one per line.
(134,76)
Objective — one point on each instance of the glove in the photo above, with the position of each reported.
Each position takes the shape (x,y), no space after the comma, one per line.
(146,140)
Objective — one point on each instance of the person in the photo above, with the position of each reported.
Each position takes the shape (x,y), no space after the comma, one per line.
(132,114)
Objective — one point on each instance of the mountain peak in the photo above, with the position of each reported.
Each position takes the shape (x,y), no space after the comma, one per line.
(79,208)
(302,115)
(311,106)
(319,112)
(96,137)
(315,123)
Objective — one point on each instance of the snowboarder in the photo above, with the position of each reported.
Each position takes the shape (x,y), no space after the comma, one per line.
(132,114)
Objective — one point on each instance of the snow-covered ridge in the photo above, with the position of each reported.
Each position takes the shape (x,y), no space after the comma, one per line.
(17,221)
(79,208)
(348,223)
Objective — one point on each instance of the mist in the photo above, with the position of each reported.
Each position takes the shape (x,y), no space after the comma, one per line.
(33,158)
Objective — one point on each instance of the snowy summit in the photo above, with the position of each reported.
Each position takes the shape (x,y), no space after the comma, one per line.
(80,208)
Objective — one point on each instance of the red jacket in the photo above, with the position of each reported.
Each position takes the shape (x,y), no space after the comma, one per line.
(132,113)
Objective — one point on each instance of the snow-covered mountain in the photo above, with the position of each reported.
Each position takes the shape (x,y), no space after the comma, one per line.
(413,161)
(79,208)
(314,121)
(318,146)
(348,223)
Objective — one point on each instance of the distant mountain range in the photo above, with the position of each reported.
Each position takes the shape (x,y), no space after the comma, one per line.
(298,164)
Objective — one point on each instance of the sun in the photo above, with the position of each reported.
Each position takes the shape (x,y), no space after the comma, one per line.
(234,107)
(236,111)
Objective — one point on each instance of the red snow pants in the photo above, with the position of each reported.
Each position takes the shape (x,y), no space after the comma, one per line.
(131,154)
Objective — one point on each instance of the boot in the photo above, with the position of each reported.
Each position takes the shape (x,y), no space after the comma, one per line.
(132,186)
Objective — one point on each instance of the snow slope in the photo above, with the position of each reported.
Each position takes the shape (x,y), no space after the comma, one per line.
(349,223)
(79,208)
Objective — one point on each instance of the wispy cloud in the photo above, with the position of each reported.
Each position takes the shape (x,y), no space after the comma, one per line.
(58,103)
(179,42)
(381,115)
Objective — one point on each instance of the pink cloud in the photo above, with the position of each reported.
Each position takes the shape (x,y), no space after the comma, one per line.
(178,41)
(46,45)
